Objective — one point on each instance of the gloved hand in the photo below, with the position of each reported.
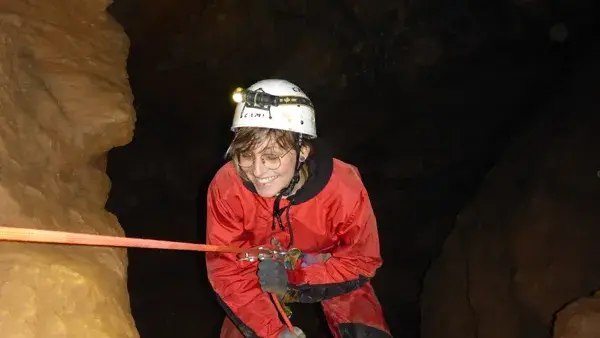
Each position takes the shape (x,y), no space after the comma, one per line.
(287,334)
(272,277)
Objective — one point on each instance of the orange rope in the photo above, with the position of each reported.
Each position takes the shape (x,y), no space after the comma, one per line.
(286,320)
(8,233)
(62,237)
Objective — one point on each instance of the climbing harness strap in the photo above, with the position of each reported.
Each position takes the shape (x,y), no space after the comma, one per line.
(8,233)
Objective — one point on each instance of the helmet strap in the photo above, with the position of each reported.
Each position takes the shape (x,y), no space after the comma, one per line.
(287,191)
(296,178)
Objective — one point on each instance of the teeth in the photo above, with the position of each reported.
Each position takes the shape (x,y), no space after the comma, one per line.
(266,179)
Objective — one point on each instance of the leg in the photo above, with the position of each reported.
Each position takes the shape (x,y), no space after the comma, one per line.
(357,314)
(229,330)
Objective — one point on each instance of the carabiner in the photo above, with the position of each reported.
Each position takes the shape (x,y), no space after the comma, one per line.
(261,253)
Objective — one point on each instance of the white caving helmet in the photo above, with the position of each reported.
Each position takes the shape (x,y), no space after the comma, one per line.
(274,104)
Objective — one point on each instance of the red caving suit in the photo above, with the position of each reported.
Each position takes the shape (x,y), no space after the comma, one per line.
(331,213)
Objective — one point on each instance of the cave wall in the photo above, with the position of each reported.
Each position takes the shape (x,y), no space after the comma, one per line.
(65,101)
(579,319)
(448,81)
(527,245)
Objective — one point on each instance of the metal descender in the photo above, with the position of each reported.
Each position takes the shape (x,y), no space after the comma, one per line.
(261,253)
(275,251)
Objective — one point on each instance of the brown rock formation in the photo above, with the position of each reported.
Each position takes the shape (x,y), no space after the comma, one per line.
(64,102)
(528,244)
(581,319)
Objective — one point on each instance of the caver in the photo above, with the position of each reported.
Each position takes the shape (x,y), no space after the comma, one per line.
(282,188)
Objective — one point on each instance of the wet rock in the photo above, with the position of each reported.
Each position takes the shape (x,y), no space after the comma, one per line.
(64,102)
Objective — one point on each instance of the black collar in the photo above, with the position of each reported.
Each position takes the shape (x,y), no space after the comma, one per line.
(320,165)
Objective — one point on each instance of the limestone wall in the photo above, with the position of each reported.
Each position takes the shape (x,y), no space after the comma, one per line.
(64,101)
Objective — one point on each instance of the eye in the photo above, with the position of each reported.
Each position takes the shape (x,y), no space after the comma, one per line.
(246,156)
(271,157)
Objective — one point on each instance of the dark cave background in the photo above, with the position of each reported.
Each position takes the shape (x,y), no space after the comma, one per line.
(422,97)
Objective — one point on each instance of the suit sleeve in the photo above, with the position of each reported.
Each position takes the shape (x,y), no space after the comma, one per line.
(353,262)
(234,281)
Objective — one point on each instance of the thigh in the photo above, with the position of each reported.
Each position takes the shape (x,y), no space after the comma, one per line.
(357,314)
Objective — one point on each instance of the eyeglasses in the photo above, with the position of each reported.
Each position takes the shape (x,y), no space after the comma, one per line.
(269,160)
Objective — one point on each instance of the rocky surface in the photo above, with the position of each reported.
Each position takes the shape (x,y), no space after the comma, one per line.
(528,244)
(580,319)
(65,101)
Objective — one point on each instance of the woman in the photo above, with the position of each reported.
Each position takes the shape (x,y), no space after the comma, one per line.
(282,187)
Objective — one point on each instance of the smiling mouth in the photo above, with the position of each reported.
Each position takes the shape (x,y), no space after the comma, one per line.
(266,179)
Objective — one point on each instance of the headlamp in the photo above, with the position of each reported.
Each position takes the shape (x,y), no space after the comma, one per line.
(238,95)
(260,99)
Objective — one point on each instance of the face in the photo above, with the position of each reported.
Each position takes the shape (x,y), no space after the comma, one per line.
(269,155)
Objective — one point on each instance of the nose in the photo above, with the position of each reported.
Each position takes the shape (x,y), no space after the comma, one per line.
(259,168)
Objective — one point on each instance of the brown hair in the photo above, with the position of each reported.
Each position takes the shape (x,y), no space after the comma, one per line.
(248,138)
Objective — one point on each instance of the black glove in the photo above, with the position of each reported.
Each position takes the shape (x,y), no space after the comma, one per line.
(272,277)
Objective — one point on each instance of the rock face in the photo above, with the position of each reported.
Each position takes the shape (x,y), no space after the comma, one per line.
(579,320)
(64,102)
(528,244)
